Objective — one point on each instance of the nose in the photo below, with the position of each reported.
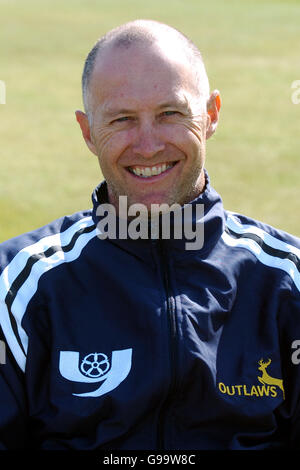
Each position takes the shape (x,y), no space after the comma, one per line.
(148,141)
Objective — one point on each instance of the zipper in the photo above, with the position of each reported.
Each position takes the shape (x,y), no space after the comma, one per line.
(172,330)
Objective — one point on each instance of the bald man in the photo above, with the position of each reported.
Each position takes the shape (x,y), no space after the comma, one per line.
(119,332)
(146,93)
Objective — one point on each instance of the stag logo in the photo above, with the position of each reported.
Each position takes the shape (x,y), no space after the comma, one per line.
(267,379)
(268,388)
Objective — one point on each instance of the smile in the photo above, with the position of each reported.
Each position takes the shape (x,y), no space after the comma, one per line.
(148,171)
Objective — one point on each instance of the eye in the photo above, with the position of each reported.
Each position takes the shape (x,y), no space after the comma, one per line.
(169,113)
(122,119)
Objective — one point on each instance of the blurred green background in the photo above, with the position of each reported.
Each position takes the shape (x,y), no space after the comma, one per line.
(251,51)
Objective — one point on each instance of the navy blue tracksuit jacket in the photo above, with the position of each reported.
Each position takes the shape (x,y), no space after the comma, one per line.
(142,344)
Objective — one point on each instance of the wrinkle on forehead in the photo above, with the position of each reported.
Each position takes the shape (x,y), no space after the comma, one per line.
(180,100)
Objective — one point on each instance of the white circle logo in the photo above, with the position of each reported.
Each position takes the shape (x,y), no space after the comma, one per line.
(95,365)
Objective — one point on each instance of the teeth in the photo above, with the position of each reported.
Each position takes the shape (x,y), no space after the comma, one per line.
(148,171)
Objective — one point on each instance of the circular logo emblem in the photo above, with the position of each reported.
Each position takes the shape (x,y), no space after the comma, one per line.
(94,365)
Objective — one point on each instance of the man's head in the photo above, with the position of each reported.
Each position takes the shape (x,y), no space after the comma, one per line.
(148,113)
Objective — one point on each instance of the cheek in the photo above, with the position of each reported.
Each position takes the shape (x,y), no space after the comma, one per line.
(110,145)
(188,138)
(196,130)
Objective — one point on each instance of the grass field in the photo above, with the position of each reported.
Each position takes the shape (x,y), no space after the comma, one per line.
(251,51)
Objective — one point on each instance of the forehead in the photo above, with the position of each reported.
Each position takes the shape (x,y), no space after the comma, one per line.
(141,73)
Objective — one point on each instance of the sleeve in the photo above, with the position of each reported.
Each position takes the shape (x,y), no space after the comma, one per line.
(24,329)
(289,330)
(13,420)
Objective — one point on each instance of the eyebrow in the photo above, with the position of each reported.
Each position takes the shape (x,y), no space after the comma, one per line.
(109,112)
(173,104)
(114,112)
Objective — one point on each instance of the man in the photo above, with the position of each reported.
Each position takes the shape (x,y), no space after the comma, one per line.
(119,342)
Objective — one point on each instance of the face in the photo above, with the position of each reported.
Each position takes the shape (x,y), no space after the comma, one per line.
(149,126)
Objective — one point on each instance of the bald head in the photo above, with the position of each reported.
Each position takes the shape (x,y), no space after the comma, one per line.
(146,33)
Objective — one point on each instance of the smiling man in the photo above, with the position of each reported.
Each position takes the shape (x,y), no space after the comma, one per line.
(138,342)
(146,94)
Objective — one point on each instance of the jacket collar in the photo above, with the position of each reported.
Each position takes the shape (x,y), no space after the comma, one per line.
(208,223)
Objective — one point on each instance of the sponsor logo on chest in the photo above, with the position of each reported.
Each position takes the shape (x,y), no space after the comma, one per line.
(96,368)
(269,386)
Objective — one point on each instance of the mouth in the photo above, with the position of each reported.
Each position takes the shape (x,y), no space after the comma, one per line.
(146,172)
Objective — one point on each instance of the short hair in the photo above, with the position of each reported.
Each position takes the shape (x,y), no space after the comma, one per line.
(140,32)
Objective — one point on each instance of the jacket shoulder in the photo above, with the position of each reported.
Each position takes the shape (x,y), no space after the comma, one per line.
(47,235)
(242,224)
(270,246)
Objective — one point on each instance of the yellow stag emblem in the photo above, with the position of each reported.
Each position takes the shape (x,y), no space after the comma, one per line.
(266,379)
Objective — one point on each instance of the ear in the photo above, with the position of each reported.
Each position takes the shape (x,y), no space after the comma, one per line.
(83,121)
(213,108)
